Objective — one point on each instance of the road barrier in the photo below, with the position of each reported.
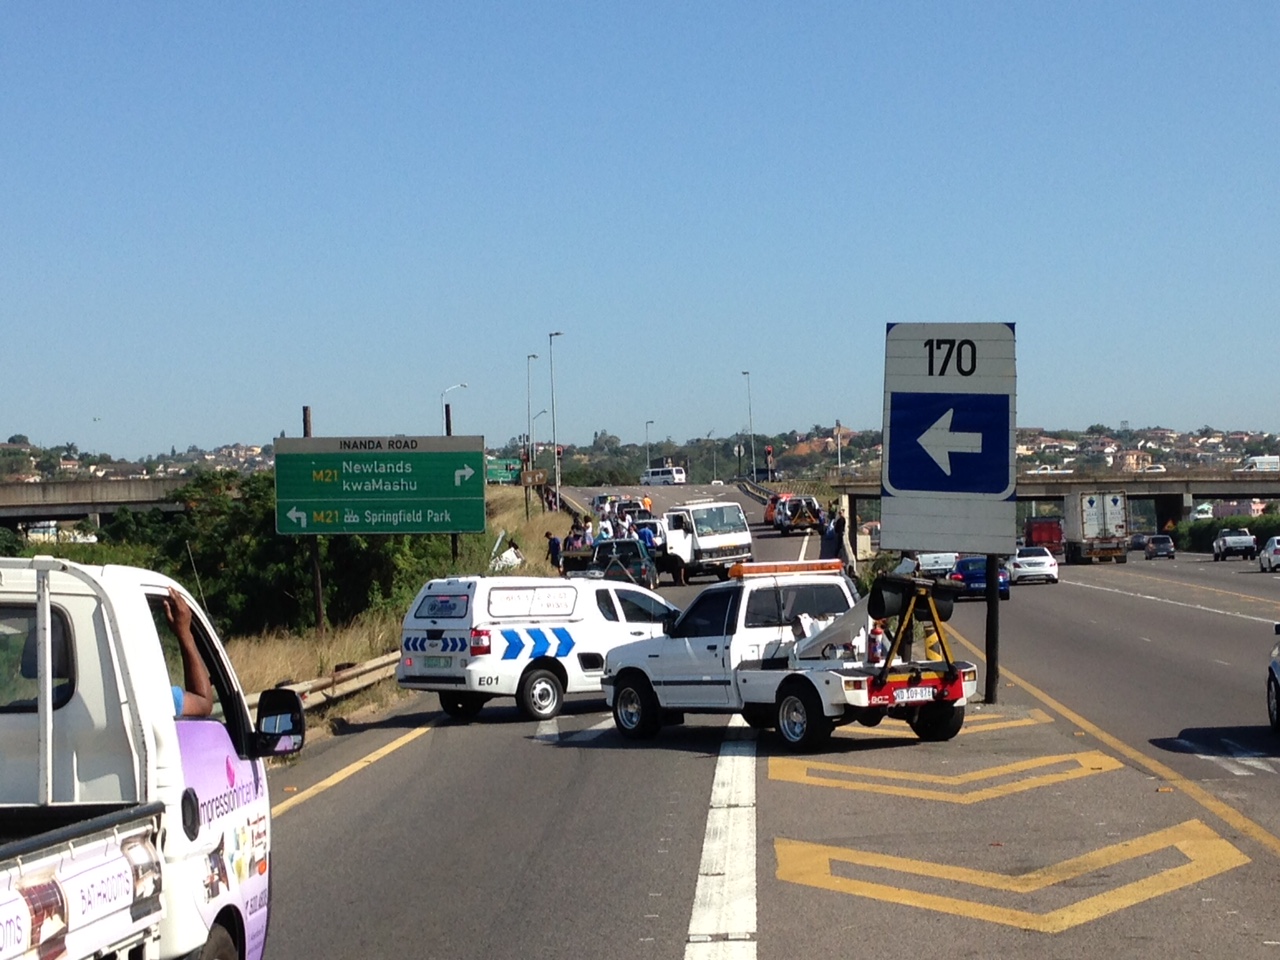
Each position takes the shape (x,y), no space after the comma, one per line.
(341,683)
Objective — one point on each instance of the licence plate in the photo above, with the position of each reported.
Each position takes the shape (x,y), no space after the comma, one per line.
(913,694)
(437,661)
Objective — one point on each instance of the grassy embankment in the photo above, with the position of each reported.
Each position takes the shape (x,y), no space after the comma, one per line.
(265,660)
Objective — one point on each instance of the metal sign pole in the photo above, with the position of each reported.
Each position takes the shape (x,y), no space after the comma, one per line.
(317,583)
(993,628)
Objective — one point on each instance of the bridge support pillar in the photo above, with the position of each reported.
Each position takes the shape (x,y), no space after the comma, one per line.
(1172,509)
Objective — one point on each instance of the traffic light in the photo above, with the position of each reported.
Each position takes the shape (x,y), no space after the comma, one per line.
(559,451)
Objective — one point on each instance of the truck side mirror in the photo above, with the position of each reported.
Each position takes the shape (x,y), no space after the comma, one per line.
(281,728)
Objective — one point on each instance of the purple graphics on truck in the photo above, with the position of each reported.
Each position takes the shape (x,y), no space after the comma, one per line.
(231,795)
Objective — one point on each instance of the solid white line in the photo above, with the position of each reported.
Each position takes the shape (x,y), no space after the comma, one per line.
(722,924)
(1176,603)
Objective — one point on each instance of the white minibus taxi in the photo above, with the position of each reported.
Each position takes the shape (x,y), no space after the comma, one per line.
(662,476)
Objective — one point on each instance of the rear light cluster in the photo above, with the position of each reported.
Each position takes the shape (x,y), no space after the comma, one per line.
(480,643)
(958,577)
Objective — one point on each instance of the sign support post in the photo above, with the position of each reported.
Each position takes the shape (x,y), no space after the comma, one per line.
(317,584)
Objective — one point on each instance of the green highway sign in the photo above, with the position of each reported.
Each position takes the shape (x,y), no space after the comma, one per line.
(380,485)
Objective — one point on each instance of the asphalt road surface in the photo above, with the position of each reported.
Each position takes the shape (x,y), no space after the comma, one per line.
(1121,798)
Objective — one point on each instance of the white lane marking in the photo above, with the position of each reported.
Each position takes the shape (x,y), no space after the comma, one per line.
(722,925)
(1223,662)
(1228,765)
(549,732)
(1250,758)
(1175,603)
(592,732)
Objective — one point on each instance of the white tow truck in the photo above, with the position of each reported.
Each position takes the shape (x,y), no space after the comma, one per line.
(789,645)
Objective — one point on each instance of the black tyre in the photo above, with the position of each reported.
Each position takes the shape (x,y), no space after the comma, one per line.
(462,706)
(801,721)
(759,716)
(938,721)
(636,712)
(1273,703)
(540,695)
(220,945)
(1123,558)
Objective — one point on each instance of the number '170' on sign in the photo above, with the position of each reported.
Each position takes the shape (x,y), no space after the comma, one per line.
(948,475)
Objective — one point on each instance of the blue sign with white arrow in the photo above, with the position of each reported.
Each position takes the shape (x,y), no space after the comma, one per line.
(949,443)
(948,474)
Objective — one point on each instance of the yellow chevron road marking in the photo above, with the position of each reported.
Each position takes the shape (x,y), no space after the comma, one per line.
(823,774)
(1206,852)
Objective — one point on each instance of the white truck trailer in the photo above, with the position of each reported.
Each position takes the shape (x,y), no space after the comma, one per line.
(1096,527)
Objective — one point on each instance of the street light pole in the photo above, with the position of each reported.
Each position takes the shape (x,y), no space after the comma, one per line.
(528,407)
(528,427)
(555,449)
(444,411)
(533,450)
(647,462)
(751,426)
(839,465)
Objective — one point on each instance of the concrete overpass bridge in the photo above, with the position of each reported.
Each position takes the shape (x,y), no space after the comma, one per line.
(1174,494)
(25,503)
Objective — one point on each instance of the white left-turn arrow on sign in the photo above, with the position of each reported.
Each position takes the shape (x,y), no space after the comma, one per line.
(940,442)
(297,516)
(466,473)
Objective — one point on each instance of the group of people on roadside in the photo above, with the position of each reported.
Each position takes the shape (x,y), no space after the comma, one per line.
(586,532)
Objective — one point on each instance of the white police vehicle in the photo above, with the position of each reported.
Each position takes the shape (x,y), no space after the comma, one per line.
(474,638)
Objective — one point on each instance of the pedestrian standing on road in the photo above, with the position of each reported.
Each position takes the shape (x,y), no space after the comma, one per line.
(553,550)
(839,535)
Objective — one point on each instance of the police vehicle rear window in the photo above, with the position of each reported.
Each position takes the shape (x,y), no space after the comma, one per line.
(443,606)
(532,601)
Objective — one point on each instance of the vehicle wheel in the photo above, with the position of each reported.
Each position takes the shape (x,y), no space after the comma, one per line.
(1006,595)
(1054,580)
(801,721)
(759,716)
(636,712)
(1273,703)
(540,695)
(1122,559)
(461,706)
(938,721)
(219,946)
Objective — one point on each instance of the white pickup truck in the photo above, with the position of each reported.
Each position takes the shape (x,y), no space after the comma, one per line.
(1234,543)
(128,827)
(750,646)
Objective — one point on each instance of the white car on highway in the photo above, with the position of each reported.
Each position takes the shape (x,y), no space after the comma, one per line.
(1033,563)
(1269,556)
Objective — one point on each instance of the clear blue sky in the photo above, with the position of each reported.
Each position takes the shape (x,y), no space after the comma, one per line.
(213,214)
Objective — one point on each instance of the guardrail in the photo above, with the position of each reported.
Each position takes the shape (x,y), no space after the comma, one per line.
(341,683)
